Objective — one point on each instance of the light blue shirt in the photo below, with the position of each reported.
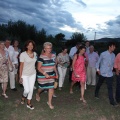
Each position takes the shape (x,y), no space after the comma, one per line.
(105,64)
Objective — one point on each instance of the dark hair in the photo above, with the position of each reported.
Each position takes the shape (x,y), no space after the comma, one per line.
(78,43)
(64,47)
(80,48)
(27,43)
(111,43)
(15,41)
(7,38)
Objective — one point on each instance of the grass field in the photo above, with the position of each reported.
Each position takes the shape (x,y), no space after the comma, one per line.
(67,106)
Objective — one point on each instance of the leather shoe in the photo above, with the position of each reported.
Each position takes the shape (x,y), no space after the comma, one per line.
(14,89)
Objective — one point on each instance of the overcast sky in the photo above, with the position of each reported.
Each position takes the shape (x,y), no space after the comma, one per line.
(66,16)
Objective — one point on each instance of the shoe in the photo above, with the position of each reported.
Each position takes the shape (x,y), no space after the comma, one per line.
(60,88)
(96,96)
(50,106)
(83,100)
(30,106)
(14,89)
(114,104)
(54,96)
(71,92)
(4,95)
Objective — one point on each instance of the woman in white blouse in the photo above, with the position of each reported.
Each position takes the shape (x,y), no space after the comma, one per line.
(63,63)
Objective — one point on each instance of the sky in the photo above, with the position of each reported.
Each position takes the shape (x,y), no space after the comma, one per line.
(66,16)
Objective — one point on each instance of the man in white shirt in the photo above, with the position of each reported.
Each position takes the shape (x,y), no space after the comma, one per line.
(87,44)
(11,52)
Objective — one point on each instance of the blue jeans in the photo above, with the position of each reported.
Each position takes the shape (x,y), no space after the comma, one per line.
(109,82)
(117,96)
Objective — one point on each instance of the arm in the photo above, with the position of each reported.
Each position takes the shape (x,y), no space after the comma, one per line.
(20,72)
(98,64)
(40,70)
(55,70)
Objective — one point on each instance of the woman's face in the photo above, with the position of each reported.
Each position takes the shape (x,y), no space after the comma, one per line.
(65,51)
(82,51)
(2,46)
(48,49)
(30,46)
(16,43)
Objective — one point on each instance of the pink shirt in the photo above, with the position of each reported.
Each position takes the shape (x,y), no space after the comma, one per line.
(117,62)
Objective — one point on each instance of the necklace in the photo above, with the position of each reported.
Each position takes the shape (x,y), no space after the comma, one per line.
(31,55)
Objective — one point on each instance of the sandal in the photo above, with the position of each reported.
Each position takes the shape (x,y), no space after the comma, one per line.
(23,100)
(37,97)
(4,95)
(83,100)
(71,92)
(50,106)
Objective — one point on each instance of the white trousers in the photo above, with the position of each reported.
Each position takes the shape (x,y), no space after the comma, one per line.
(91,76)
(12,79)
(62,73)
(28,84)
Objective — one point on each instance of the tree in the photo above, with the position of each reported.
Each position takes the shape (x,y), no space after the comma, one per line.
(59,36)
(78,37)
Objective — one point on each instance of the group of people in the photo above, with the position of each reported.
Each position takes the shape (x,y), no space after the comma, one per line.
(82,61)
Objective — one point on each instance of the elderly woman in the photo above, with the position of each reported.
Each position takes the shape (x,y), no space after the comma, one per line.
(63,62)
(46,73)
(27,72)
(17,52)
(4,61)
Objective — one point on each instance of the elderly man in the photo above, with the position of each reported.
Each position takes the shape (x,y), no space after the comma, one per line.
(11,52)
(91,68)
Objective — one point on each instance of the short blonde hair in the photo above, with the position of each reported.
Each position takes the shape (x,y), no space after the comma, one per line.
(47,44)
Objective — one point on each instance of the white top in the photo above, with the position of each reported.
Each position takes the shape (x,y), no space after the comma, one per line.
(72,52)
(29,64)
(11,52)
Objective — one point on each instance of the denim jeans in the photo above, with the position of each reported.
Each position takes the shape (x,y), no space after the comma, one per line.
(109,82)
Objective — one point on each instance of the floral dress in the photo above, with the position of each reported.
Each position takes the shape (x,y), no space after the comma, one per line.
(79,69)
(4,68)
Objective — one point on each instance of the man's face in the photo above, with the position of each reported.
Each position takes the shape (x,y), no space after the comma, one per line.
(112,48)
(87,44)
(7,43)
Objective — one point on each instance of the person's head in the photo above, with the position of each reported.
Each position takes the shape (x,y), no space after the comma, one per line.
(7,42)
(81,50)
(15,43)
(2,45)
(111,46)
(91,48)
(47,47)
(30,46)
(87,43)
(64,49)
(78,44)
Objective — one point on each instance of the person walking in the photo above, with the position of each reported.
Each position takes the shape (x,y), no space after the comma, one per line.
(47,73)
(27,72)
(104,68)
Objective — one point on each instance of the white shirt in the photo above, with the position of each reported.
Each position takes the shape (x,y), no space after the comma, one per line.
(72,52)
(11,52)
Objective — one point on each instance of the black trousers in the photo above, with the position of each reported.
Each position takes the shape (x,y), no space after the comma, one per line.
(109,82)
(117,96)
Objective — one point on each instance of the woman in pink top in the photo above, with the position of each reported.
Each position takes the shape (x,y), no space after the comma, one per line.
(79,71)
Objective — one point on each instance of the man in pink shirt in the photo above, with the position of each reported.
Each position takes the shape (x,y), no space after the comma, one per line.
(117,68)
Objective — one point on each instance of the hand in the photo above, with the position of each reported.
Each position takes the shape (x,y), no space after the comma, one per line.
(16,66)
(117,72)
(76,75)
(98,72)
(46,75)
(20,80)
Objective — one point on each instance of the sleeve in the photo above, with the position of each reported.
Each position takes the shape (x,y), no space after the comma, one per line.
(116,61)
(98,62)
(15,60)
(71,54)
(22,58)
(40,60)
